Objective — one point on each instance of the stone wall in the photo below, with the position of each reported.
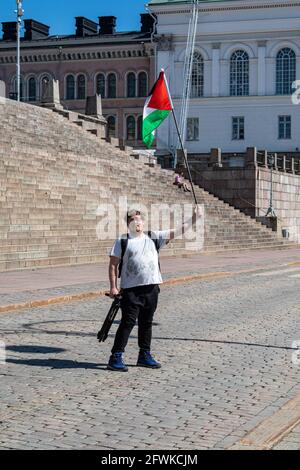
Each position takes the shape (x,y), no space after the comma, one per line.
(235,186)
(286,199)
(248,188)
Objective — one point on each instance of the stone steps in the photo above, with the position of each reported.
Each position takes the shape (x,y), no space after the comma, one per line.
(85,259)
(53,176)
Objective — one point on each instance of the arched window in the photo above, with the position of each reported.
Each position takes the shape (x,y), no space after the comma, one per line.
(197,87)
(111,85)
(142,84)
(140,128)
(81,87)
(130,128)
(14,89)
(70,85)
(239,74)
(285,71)
(44,86)
(32,89)
(111,126)
(131,85)
(100,85)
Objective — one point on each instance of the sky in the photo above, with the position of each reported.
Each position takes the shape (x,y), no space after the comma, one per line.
(59,14)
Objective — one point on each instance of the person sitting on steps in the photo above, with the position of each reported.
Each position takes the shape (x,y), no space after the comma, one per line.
(180,183)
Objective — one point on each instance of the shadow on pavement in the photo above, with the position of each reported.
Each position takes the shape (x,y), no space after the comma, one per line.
(201,340)
(30,327)
(57,363)
(34,349)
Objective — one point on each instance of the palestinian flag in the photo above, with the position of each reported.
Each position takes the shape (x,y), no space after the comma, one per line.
(156,109)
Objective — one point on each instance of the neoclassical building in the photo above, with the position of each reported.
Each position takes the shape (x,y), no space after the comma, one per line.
(95,59)
(247,56)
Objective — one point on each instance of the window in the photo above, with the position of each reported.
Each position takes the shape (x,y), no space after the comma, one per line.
(45,83)
(284,127)
(239,74)
(140,128)
(192,130)
(238,128)
(111,86)
(285,71)
(70,84)
(100,85)
(14,89)
(197,87)
(142,84)
(111,126)
(130,128)
(81,87)
(32,89)
(131,84)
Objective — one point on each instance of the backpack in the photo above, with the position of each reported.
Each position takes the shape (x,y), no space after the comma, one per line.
(124,243)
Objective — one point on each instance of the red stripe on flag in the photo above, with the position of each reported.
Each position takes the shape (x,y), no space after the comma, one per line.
(160,97)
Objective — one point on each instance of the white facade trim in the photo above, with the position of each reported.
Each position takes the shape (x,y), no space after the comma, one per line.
(236,47)
(281,45)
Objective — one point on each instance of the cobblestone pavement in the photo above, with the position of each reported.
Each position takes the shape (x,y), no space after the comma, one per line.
(225,346)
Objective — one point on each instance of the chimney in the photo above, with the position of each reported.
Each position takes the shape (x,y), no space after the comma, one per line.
(85,27)
(35,30)
(147,23)
(9,31)
(107,24)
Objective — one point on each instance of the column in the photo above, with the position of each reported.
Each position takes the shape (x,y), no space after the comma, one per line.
(251,157)
(165,60)
(2,89)
(216,69)
(215,158)
(261,68)
(225,72)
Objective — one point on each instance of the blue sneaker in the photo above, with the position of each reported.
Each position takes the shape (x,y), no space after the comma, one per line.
(116,363)
(145,359)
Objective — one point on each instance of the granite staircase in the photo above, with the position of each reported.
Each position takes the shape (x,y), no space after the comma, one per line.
(54,175)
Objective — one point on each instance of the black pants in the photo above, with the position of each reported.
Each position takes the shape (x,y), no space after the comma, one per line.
(137,303)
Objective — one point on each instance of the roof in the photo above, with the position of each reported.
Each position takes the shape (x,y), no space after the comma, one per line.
(165,2)
(131,37)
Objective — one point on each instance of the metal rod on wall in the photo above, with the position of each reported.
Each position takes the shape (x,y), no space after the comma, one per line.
(20,13)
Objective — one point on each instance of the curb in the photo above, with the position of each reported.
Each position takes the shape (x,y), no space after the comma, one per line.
(101,293)
(273,429)
(50,301)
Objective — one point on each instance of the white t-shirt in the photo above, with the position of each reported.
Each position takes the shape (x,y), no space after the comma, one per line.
(140,262)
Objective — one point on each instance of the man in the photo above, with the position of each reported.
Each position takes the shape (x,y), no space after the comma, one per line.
(140,279)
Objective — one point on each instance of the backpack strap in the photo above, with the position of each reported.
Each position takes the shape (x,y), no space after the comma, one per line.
(154,239)
(124,243)
(156,243)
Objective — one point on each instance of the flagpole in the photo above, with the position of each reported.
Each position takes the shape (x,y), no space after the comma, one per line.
(184,155)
